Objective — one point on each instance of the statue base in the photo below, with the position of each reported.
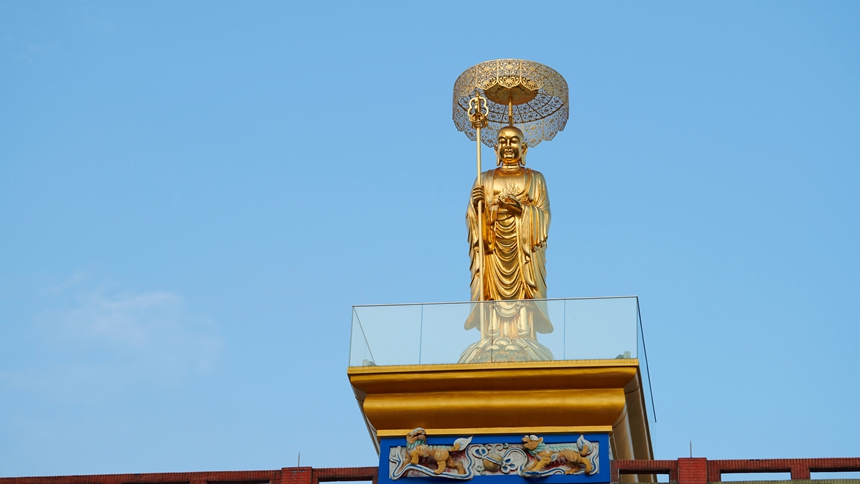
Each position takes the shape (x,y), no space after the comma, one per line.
(515,398)
(505,350)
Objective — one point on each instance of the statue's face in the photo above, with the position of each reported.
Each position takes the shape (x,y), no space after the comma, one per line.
(510,146)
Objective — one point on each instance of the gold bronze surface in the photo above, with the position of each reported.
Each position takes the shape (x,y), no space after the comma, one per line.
(508,221)
(508,215)
(510,95)
(506,430)
(478,112)
(529,397)
(486,409)
(538,93)
(478,117)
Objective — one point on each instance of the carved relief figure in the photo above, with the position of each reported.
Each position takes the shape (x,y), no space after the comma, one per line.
(417,447)
(531,458)
(545,454)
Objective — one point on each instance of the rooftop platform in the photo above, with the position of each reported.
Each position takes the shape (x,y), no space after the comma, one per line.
(405,371)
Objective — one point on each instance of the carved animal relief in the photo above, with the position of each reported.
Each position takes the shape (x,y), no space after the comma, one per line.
(463,460)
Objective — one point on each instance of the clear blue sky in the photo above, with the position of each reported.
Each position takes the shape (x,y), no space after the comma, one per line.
(193,195)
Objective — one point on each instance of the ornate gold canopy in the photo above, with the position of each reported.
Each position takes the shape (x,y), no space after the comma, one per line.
(534,94)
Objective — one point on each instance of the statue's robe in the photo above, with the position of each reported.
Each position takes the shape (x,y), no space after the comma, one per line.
(514,253)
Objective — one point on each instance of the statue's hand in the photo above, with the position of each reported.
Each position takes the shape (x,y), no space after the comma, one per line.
(477,195)
(512,205)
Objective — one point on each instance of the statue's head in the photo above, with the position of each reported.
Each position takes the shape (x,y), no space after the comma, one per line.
(511,146)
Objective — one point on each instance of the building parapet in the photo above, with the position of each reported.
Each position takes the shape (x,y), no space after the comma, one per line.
(695,470)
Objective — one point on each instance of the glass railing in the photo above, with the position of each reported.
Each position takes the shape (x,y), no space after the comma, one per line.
(501,331)
(550,329)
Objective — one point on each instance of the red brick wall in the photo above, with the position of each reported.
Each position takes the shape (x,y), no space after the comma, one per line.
(702,471)
(287,475)
(693,470)
(684,471)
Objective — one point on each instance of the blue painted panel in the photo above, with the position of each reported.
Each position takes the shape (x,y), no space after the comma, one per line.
(470,460)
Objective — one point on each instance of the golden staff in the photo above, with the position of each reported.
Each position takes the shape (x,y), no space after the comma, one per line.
(478,112)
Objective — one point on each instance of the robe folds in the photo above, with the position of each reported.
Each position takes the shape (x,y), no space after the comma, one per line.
(514,251)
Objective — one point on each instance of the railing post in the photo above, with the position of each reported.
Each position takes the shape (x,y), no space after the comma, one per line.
(800,471)
(692,470)
(296,475)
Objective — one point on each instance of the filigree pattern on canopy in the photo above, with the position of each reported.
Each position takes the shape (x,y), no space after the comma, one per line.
(539,118)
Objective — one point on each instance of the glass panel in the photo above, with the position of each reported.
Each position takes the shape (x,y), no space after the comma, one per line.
(359,350)
(392,334)
(444,337)
(600,328)
(560,329)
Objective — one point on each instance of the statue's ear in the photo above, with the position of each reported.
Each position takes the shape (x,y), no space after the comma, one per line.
(540,439)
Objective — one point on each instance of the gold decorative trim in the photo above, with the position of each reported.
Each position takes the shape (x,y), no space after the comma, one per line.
(616,362)
(508,398)
(502,430)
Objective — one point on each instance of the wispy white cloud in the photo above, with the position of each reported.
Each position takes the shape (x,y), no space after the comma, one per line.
(95,339)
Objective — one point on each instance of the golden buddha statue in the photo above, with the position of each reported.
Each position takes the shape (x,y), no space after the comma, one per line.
(515,216)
